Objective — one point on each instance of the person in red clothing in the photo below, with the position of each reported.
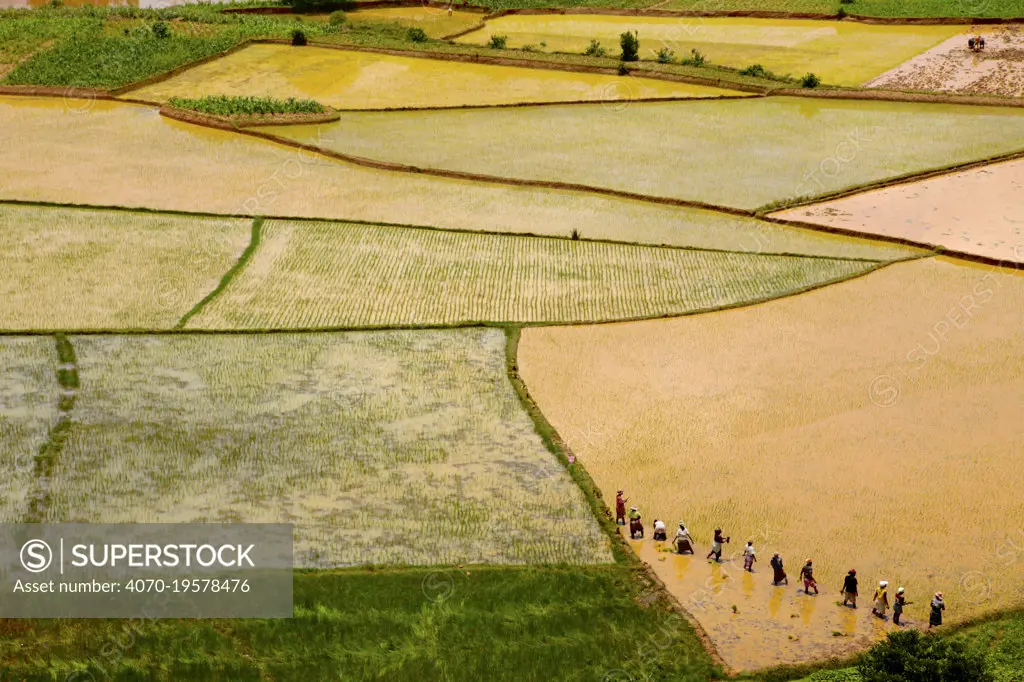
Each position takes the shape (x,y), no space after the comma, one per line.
(620,508)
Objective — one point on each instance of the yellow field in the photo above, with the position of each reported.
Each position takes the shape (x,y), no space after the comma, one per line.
(134,157)
(321,275)
(361,80)
(873,425)
(979,211)
(434,21)
(59,265)
(401,447)
(29,397)
(841,53)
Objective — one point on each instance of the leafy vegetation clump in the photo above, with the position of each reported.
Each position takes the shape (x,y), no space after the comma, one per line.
(594,49)
(810,81)
(666,56)
(757,71)
(416,35)
(909,656)
(299,37)
(161,29)
(498,42)
(221,105)
(630,44)
(696,58)
(337,18)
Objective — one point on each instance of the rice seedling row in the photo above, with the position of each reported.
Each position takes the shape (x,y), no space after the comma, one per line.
(329,275)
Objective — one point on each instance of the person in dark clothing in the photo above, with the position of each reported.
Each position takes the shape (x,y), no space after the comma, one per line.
(850,588)
(807,575)
(778,572)
(898,604)
(620,508)
(938,606)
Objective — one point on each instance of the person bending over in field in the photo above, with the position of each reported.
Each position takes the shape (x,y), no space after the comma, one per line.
(684,543)
(635,525)
(971,44)
(881,599)
(850,588)
(778,572)
(620,508)
(749,557)
(716,545)
(660,533)
(807,575)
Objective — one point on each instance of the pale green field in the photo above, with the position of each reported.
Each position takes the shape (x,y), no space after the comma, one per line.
(323,275)
(134,157)
(84,269)
(840,53)
(362,80)
(29,398)
(738,153)
(400,447)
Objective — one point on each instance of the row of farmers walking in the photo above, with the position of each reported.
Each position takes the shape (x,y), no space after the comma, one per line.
(684,544)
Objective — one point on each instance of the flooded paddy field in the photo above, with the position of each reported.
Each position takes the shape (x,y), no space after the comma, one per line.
(835,425)
(741,153)
(840,53)
(362,80)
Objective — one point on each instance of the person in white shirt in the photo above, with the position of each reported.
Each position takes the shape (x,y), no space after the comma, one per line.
(659,530)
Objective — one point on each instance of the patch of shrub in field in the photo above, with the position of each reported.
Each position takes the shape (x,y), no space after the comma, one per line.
(757,71)
(416,35)
(810,81)
(498,42)
(221,105)
(841,14)
(630,44)
(337,18)
(696,58)
(909,656)
(665,55)
(299,37)
(594,49)
(623,71)
(161,29)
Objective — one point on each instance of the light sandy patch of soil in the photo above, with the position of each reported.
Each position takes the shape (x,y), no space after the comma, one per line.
(874,424)
(979,211)
(953,67)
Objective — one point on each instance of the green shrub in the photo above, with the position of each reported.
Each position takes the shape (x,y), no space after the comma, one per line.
(594,49)
(416,35)
(299,37)
(320,6)
(498,42)
(810,81)
(623,71)
(222,105)
(665,55)
(529,48)
(847,2)
(696,58)
(630,44)
(161,29)
(909,656)
(337,18)
(841,14)
(757,71)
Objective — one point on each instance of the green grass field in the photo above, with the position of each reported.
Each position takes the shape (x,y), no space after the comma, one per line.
(60,260)
(738,153)
(481,623)
(870,8)
(329,275)
(382,448)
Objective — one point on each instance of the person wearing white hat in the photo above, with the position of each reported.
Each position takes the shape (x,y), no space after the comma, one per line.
(897,605)
(881,599)
(684,543)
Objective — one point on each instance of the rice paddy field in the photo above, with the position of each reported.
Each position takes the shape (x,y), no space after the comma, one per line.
(837,425)
(979,211)
(840,53)
(324,275)
(381,448)
(738,153)
(361,80)
(29,400)
(139,155)
(58,265)
(434,21)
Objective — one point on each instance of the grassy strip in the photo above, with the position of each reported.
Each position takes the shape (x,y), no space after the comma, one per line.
(223,105)
(257,225)
(49,452)
(472,623)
